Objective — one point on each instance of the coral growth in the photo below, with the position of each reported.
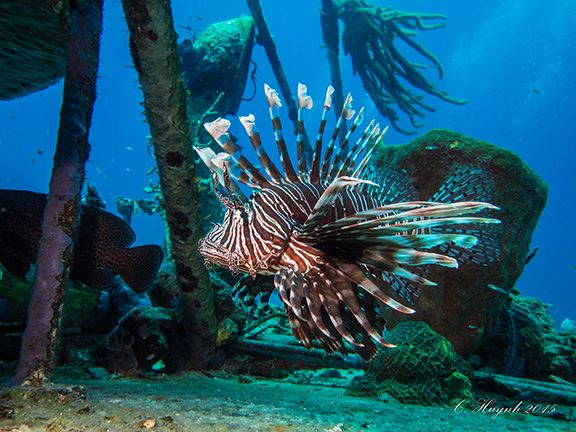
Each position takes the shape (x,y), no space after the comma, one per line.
(423,368)
(218,61)
(370,36)
(33,45)
(526,342)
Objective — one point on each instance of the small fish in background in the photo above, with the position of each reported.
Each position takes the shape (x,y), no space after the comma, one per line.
(536,90)
(476,329)
(531,255)
(497,289)
(562,381)
(102,248)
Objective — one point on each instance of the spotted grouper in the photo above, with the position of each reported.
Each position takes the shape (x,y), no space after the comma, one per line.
(101,250)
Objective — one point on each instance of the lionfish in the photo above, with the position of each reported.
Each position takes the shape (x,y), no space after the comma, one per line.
(334,240)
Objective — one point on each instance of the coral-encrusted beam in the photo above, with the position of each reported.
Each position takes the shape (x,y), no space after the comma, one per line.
(155,55)
(40,339)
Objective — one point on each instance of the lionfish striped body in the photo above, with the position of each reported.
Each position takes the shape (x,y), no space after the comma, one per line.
(338,244)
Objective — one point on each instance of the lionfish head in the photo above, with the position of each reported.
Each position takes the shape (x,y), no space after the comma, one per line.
(219,247)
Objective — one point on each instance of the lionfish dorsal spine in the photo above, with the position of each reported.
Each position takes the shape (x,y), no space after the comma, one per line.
(273,104)
(304,102)
(250,125)
(348,165)
(218,165)
(346,114)
(376,136)
(315,165)
(242,170)
(335,164)
(326,200)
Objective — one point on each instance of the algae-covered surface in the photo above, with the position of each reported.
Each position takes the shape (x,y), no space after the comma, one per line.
(220,402)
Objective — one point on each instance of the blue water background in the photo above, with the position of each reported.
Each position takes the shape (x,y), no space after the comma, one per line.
(496,53)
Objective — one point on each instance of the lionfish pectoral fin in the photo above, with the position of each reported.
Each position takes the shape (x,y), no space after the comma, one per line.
(355,316)
(470,184)
(355,274)
(309,305)
(327,199)
(331,301)
(466,184)
(247,289)
(314,304)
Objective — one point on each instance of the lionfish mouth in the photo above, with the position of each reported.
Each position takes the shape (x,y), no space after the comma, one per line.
(340,241)
(215,255)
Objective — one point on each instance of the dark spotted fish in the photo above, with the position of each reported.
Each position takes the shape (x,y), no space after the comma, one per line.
(101,251)
(340,242)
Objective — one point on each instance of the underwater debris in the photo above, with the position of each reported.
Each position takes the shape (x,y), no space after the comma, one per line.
(217,62)
(138,338)
(334,240)
(527,389)
(532,254)
(525,342)
(60,217)
(127,207)
(423,369)
(265,39)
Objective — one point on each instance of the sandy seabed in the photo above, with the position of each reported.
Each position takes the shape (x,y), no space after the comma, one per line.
(201,402)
